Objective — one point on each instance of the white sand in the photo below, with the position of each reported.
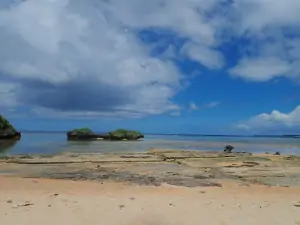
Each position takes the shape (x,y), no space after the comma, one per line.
(91,203)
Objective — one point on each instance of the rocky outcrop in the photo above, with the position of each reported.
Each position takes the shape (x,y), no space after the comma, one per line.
(7,131)
(117,135)
(122,134)
(228,148)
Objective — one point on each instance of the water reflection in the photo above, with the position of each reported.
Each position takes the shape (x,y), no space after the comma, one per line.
(80,143)
(6,145)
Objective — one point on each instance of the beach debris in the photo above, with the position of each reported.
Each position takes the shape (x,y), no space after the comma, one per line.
(276,153)
(9,201)
(49,205)
(228,148)
(297,205)
(121,207)
(55,194)
(132,198)
(27,203)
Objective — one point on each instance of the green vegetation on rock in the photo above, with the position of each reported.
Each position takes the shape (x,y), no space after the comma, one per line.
(126,134)
(82,131)
(6,127)
(116,135)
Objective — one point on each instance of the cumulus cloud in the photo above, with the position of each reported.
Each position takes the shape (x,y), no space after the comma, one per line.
(272,28)
(86,57)
(257,15)
(261,69)
(193,106)
(7,96)
(76,56)
(275,119)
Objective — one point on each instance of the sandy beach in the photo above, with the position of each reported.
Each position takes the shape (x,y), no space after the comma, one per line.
(41,201)
(160,187)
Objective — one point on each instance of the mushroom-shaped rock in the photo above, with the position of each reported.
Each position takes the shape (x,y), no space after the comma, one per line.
(122,134)
(228,148)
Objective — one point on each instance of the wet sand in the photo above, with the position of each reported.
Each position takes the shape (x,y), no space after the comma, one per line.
(154,188)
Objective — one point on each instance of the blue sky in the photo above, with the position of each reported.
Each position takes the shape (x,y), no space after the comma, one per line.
(162,66)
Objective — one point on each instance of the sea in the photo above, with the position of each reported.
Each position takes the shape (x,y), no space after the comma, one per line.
(56,142)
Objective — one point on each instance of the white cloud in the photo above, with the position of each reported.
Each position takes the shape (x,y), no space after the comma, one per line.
(261,69)
(205,55)
(7,96)
(275,119)
(273,28)
(257,15)
(62,44)
(193,106)
(63,53)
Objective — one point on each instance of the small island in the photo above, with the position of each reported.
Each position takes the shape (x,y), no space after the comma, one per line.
(116,135)
(7,131)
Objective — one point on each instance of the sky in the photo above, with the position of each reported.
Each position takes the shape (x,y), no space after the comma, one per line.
(159,66)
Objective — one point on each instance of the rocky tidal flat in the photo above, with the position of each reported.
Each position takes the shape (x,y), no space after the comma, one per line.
(157,167)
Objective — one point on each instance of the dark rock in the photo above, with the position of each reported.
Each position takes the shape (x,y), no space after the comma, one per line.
(228,148)
(276,153)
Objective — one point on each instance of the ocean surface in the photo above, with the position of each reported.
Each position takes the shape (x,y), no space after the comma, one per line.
(53,143)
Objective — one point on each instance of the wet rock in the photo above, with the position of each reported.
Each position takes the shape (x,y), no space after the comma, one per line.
(276,153)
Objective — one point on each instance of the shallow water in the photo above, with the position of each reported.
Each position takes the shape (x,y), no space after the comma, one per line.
(52,143)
